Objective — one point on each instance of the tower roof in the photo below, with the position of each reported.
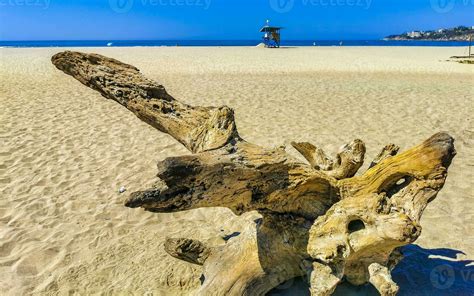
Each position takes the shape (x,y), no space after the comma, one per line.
(270,29)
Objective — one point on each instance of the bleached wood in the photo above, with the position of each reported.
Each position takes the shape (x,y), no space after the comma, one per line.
(301,219)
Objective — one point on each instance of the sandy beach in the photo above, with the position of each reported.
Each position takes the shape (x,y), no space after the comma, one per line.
(65,151)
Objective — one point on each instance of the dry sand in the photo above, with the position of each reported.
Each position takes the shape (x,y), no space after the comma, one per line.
(65,151)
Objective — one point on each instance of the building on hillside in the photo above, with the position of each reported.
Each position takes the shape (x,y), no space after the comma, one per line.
(414,34)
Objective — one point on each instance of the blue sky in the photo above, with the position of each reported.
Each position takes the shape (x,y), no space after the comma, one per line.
(224,19)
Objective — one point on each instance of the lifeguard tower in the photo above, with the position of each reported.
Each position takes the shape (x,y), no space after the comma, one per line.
(271,36)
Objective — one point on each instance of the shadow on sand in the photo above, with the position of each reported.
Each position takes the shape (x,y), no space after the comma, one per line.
(430,272)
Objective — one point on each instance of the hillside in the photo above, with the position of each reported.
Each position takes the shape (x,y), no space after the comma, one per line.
(460,33)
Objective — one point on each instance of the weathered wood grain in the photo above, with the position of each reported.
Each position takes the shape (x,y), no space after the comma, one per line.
(317,220)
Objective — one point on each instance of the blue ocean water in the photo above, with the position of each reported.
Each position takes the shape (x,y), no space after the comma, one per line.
(127,43)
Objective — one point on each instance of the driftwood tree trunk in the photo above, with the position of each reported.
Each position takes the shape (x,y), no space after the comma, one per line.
(313,219)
